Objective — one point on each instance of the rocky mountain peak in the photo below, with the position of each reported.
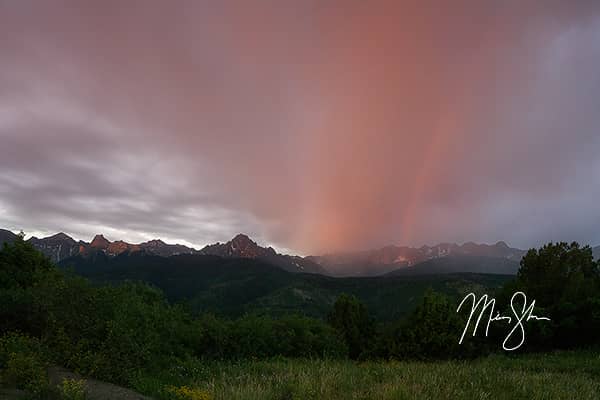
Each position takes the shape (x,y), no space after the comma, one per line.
(241,246)
(155,243)
(62,237)
(99,242)
(243,241)
(119,246)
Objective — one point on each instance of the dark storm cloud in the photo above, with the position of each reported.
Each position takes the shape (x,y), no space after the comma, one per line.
(309,125)
(69,180)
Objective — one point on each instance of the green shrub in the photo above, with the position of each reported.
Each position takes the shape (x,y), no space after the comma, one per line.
(431,331)
(26,371)
(17,343)
(255,336)
(23,364)
(72,389)
(351,319)
(564,280)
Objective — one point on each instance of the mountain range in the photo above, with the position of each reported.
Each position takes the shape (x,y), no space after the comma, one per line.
(498,258)
(460,264)
(390,258)
(60,246)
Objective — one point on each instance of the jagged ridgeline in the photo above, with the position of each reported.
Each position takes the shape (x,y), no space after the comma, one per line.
(498,258)
(60,247)
(240,276)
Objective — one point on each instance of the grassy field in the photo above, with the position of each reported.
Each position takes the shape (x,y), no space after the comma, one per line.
(562,375)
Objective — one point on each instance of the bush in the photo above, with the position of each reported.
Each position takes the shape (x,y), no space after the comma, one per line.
(22,269)
(291,336)
(564,280)
(431,331)
(72,389)
(26,371)
(17,343)
(254,336)
(351,320)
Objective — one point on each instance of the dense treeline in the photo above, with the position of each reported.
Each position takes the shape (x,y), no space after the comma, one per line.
(114,332)
(564,280)
(235,287)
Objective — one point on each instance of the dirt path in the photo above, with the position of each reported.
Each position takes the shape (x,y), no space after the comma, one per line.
(95,390)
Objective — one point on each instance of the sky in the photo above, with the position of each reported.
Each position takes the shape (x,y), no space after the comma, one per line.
(312,126)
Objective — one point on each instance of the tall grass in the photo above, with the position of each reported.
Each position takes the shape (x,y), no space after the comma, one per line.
(561,375)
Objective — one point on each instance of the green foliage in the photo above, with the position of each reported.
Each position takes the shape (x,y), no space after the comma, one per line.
(559,271)
(22,271)
(431,331)
(114,332)
(72,389)
(17,343)
(350,318)
(290,336)
(22,364)
(108,332)
(130,332)
(26,371)
(255,336)
(564,280)
(142,330)
(20,264)
(233,288)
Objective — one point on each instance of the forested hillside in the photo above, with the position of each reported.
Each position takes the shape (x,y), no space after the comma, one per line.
(233,287)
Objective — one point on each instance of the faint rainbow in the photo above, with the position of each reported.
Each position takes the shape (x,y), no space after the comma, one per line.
(443,131)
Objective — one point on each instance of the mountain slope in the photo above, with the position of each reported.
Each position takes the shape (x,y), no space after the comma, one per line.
(6,236)
(460,264)
(56,247)
(596,252)
(160,248)
(389,258)
(235,286)
(241,246)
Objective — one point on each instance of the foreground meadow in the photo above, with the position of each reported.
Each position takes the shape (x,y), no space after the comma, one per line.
(560,375)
